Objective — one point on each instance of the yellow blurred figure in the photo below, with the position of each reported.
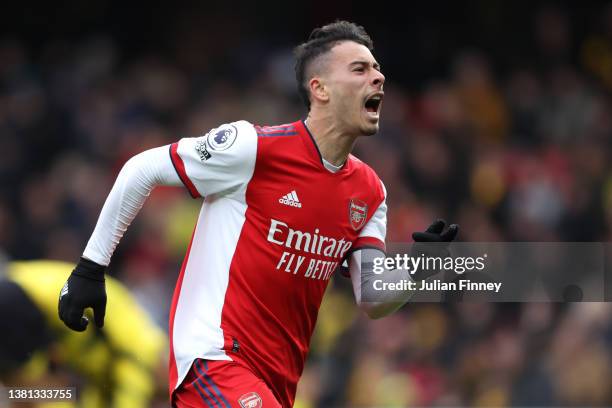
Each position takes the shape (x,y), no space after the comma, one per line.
(125,359)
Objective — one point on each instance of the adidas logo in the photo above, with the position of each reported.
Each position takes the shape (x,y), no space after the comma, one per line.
(291,199)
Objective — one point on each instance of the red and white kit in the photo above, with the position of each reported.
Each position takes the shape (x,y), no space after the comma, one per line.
(275,224)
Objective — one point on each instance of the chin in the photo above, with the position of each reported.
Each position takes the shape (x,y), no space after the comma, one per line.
(370,129)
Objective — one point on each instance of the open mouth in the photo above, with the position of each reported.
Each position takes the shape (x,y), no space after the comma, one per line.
(372,104)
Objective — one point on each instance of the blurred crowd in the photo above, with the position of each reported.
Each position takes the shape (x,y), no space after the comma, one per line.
(514,153)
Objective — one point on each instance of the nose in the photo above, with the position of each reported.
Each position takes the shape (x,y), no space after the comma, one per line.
(378,79)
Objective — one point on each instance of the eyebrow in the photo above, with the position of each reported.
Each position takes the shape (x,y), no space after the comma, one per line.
(375,65)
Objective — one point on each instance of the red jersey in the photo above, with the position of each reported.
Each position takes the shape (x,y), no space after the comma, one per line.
(274,226)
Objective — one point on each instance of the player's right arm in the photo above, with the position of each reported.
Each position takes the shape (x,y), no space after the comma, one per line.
(215,164)
(85,286)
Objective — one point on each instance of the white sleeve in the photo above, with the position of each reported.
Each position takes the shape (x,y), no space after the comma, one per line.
(218,163)
(373,234)
(133,185)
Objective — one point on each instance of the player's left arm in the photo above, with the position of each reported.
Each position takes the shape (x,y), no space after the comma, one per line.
(370,250)
(375,304)
(367,266)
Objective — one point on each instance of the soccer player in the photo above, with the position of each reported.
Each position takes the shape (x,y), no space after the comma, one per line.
(283,207)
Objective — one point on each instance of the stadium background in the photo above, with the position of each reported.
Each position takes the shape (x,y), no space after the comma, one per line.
(497,115)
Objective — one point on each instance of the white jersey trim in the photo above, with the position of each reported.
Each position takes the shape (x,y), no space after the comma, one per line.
(377,225)
(223,178)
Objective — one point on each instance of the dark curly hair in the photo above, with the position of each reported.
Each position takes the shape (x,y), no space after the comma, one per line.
(322,40)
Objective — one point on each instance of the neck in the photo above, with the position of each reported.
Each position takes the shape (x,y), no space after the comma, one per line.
(334,144)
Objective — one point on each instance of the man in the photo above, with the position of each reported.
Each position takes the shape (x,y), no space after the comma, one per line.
(284,207)
(36,350)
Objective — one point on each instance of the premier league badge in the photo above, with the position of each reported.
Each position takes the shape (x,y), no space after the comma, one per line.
(222,138)
(358,212)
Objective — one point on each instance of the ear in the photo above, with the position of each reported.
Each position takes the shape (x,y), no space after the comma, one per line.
(318,90)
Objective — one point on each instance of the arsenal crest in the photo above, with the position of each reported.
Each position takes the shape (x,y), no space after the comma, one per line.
(358,212)
(250,400)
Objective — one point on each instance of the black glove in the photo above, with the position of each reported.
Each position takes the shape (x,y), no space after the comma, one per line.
(84,288)
(432,243)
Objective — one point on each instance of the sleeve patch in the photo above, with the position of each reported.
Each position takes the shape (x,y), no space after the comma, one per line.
(222,138)
(200,147)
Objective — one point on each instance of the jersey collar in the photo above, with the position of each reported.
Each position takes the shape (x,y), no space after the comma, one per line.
(313,149)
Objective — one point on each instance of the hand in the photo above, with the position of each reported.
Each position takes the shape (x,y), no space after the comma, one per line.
(84,288)
(434,233)
(432,243)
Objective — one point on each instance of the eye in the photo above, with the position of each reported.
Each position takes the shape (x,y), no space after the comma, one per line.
(359,69)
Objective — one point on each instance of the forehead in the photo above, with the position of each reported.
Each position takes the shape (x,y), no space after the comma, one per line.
(347,52)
